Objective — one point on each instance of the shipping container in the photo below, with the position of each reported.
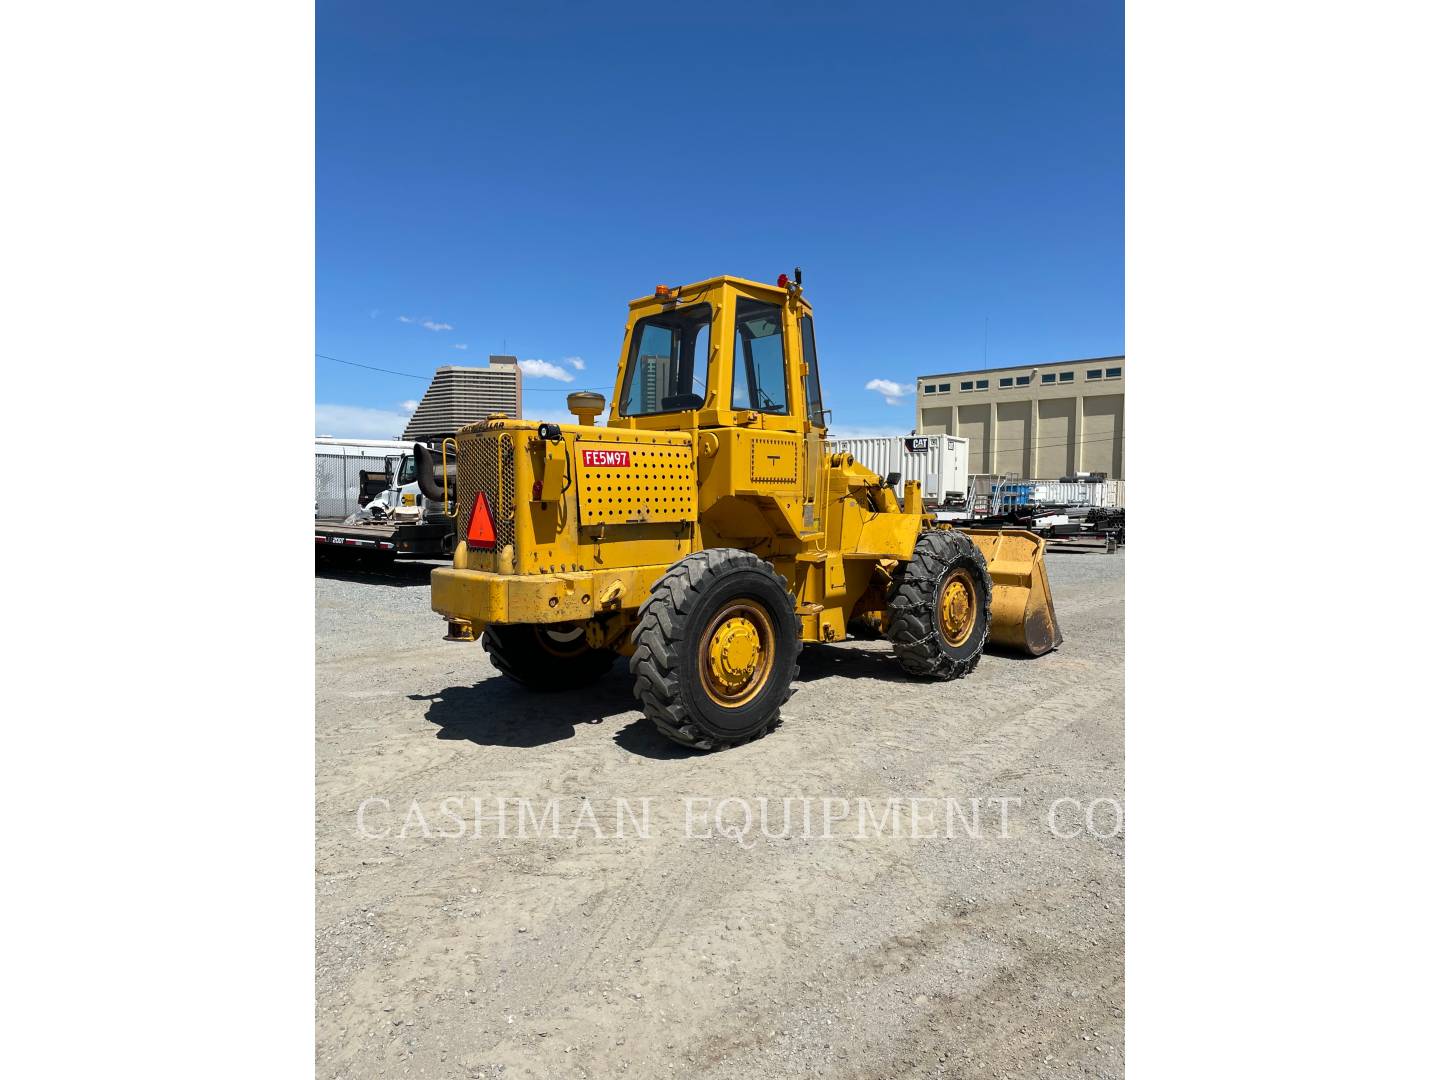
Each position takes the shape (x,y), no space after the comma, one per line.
(938,462)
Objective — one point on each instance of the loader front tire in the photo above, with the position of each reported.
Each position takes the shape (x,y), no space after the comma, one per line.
(546,657)
(716,649)
(940,607)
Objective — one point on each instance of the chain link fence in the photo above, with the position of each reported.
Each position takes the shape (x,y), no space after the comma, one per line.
(337,482)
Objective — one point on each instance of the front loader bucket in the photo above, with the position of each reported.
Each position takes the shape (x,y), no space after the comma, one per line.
(1022,613)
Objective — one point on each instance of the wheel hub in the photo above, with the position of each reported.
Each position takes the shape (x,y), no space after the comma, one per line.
(957,608)
(737,653)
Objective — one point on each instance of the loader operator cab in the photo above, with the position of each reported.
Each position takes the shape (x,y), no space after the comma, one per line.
(722,353)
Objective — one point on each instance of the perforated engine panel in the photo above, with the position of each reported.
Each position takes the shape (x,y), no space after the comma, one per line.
(622,482)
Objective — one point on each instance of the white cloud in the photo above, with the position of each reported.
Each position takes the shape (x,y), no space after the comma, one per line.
(405,318)
(543,369)
(549,412)
(890,390)
(431,324)
(459,345)
(358,422)
(575,362)
(409,406)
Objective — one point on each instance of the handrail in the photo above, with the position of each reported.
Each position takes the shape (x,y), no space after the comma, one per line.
(445,475)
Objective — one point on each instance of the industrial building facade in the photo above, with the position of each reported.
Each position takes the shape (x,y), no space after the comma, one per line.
(462,395)
(1041,421)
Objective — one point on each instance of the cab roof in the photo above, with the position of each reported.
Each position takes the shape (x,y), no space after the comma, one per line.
(723,279)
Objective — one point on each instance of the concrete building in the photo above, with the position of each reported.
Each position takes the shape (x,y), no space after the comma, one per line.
(461,395)
(1042,421)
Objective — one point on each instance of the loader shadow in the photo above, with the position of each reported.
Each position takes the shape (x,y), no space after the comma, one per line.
(498,712)
(641,738)
(373,570)
(822,661)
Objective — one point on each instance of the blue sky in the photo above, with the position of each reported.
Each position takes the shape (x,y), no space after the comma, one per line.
(505,177)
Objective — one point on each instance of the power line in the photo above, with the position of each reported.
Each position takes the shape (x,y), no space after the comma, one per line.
(367,367)
(426,378)
(1025,443)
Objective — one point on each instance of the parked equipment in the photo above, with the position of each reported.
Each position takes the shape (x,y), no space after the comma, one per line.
(369,502)
(705,532)
(1065,528)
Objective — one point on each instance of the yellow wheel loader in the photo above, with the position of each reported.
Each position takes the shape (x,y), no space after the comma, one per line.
(705,532)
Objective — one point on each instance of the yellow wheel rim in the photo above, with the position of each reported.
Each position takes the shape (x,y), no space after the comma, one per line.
(737,652)
(563,640)
(958,608)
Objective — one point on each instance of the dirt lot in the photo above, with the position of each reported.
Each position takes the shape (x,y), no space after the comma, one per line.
(996,951)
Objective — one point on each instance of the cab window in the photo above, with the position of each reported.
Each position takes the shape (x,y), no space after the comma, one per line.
(669,363)
(759,359)
(814,406)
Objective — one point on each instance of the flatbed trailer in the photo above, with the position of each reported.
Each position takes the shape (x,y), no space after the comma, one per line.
(368,502)
(414,540)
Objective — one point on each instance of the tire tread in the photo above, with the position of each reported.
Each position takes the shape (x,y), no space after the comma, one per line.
(913,632)
(658,638)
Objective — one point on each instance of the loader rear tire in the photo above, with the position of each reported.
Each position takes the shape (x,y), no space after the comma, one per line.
(717,649)
(940,607)
(546,657)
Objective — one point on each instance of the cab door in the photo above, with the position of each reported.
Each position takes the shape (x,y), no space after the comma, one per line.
(407,487)
(761,381)
(816,422)
(768,458)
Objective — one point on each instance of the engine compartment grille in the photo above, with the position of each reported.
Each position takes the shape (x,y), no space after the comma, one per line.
(487,463)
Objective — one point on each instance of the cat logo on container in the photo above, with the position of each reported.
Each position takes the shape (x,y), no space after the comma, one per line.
(605,459)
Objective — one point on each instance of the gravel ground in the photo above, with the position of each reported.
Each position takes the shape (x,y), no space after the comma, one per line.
(996,951)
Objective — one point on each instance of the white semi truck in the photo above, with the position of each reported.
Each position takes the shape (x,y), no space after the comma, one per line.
(368,500)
